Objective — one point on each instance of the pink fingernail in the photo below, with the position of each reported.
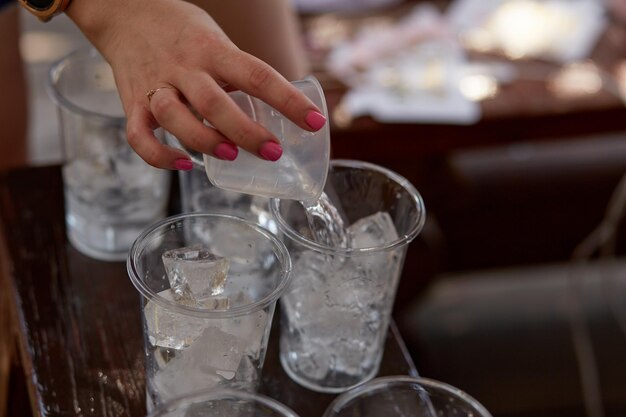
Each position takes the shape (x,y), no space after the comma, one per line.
(226,151)
(183,164)
(271,151)
(315,120)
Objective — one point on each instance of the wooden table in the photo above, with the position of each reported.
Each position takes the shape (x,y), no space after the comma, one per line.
(78,320)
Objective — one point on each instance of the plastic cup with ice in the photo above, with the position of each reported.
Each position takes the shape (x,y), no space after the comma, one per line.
(111,194)
(207,313)
(346,270)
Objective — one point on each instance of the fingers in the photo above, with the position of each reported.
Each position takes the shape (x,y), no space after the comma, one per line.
(230,126)
(258,79)
(175,117)
(141,138)
(212,102)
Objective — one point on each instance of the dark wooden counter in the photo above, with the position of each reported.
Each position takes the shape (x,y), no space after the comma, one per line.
(78,319)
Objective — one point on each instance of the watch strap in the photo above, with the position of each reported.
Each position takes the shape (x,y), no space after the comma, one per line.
(45,14)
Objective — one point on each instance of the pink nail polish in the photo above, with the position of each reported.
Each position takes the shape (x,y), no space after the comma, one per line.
(271,151)
(183,164)
(226,151)
(315,120)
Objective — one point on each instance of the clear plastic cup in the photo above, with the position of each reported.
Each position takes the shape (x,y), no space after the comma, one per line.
(300,173)
(197,194)
(221,341)
(335,314)
(223,403)
(405,396)
(111,194)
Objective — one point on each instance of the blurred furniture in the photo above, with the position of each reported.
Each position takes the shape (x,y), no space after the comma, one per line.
(505,336)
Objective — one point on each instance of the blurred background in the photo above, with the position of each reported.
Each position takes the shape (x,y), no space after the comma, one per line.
(508,116)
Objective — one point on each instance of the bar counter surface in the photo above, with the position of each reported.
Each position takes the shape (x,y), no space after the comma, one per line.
(77,320)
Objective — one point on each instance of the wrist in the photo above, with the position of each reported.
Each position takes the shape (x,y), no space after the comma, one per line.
(90,16)
(97,19)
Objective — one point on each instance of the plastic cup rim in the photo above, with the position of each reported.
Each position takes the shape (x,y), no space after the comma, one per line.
(243,310)
(325,131)
(382,382)
(220,394)
(414,230)
(62,101)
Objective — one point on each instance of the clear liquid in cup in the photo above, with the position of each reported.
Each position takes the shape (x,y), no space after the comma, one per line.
(326,223)
(338,307)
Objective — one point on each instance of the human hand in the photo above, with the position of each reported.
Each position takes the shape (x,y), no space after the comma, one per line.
(175,48)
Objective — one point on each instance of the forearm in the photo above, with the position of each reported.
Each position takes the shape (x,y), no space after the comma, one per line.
(267,29)
(97,19)
(93,17)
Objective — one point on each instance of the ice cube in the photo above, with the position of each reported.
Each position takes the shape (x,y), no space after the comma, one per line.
(215,303)
(306,291)
(222,342)
(353,288)
(133,171)
(249,330)
(335,340)
(215,351)
(89,177)
(377,269)
(226,374)
(315,358)
(195,273)
(247,373)
(180,376)
(374,230)
(212,358)
(169,329)
(354,354)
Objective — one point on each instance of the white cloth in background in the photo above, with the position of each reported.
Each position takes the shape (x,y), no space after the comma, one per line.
(411,71)
(561,31)
(405,73)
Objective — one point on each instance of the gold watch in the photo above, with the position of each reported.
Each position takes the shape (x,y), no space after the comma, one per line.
(45,9)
